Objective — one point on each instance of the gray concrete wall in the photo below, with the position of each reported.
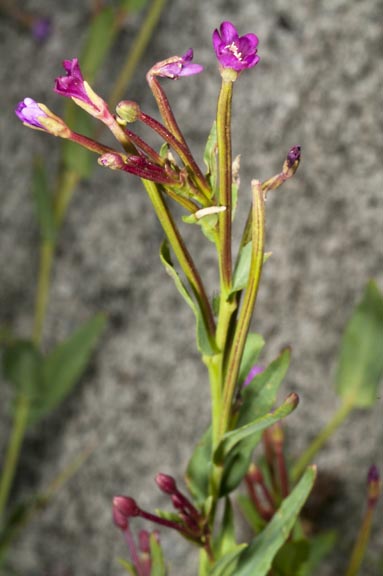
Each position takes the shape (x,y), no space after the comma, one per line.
(145,399)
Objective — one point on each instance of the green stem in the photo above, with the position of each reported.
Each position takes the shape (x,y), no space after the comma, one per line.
(320,440)
(13,450)
(182,254)
(136,52)
(361,544)
(247,308)
(225,183)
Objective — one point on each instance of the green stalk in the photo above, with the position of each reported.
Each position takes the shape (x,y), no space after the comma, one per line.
(308,455)
(136,52)
(182,254)
(225,184)
(13,450)
(247,308)
(361,544)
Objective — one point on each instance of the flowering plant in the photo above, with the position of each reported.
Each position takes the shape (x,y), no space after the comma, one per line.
(244,408)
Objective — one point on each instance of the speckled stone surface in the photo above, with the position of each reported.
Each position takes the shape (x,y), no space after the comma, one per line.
(144,400)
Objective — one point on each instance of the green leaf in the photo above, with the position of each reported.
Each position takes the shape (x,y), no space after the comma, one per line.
(360,366)
(226,566)
(259,555)
(208,224)
(101,34)
(253,347)
(231,439)
(226,540)
(22,367)
(43,202)
(319,547)
(210,158)
(242,268)
(291,557)
(260,395)
(197,472)
(63,367)
(133,5)
(128,566)
(257,400)
(250,513)
(158,562)
(205,346)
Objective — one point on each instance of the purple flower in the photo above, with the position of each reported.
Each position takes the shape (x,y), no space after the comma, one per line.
(234,51)
(177,66)
(29,112)
(72,85)
(39,117)
(41,29)
(255,370)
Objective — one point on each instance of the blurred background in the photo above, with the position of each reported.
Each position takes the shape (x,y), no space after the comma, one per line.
(144,401)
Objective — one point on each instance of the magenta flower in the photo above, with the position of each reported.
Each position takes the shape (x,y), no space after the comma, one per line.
(177,66)
(234,51)
(72,85)
(29,112)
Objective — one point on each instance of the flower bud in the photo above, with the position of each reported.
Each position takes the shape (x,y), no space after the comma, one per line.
(166,483)
(292,161)
(128,111)
(374,486)
(124,508)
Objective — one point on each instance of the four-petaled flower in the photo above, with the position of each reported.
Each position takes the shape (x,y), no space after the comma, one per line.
(234,51)
(177,66)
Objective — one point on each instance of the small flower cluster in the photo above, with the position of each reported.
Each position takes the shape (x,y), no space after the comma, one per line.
(188,520)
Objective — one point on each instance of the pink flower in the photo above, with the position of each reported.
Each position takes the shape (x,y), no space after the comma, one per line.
(177,66)
(234,51)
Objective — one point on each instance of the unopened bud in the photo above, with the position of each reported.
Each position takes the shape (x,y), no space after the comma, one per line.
(291,163)
(166,483)
(374,486)
(124,508)
(128,111)
(112,161)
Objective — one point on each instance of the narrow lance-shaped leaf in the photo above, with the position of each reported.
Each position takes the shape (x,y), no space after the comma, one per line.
(259,555)
(204,343)
(157,557)
(22,367)
(231,439)
(226,540)
(242,268)
(197,472)
(63,367)
(257,399)
(226,566)
(252,349)
(360,367)
(210,158)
